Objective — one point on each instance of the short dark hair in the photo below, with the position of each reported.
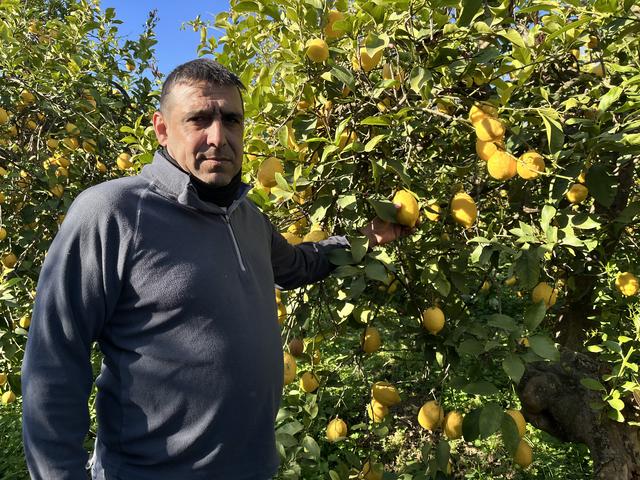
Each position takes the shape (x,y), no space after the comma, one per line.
(200,70)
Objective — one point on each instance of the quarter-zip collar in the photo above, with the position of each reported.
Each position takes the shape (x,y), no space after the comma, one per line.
(173,183)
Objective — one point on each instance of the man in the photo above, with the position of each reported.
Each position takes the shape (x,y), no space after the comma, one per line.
(172,272)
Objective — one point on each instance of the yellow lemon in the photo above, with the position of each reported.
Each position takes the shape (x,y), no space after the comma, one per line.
(530,165)
(309,382)
(452,425)
(367,62)
(371,340)
(432,212)
(124,161)
(627,283)
(385,393)
(520,421)
(486,149)
(3,233)
(577,193)
(377,411)
(317,50)
(408,212)
(502,165)
(3,378)
(282,313)
(267,171)
(523,455)
(464,209)
(544,292)
(511,281)
(89,145)
(130,65)
(62,172)
(388,73)
(52,143)
(72,129)
(8,397)
(430,415)
(31,125)
(315,236)
(597,69)
(489,129)
(101,167)
(10,260)
(71,143)
(4,116)
(292,238)
(299,225)
(481,111)
(57,190)
(24,321)
(289,368)
(433,319)
(27,97)
(336,430)
(329,30)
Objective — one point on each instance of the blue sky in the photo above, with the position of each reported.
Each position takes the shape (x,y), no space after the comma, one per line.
(174,46)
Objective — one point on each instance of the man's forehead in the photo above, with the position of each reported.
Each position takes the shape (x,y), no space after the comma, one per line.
(201,93)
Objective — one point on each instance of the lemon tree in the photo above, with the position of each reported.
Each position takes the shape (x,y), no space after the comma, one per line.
(513,126)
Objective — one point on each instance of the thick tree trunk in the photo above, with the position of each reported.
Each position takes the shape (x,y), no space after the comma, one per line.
(554,400)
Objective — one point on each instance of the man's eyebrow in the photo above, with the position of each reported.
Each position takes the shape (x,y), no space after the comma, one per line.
(208,112)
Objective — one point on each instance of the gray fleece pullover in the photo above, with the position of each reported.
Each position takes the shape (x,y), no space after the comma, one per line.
(179,295)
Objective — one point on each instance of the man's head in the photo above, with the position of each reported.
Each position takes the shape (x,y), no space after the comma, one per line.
(201,120)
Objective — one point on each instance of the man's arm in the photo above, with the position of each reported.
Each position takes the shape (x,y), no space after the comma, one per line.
(77,289)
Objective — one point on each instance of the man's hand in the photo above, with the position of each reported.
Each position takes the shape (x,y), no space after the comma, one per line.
(380,232)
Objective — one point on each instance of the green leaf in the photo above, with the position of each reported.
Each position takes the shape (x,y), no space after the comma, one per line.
(470,347)
(631,139)
(602,186)
(471,425)
(555,135)
(443,451)
(480,388)
(373,143)
(343,75)
(384,209)
(629,213)
(528,269)
(442,284)
(490,419)
(510,434)
(311,447)
(359,246)
(547,214)
(469,10)
(592,384)
(504,322)
(544,347)
(376,271)
(585,221)
(534,314)
(513,366)
(382,120)
(609,98)
(514,37)
(616,404)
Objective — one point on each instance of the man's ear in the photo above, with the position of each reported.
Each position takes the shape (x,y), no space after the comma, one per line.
(160,127)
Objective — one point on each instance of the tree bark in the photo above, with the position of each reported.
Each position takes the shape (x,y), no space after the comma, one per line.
(554,400)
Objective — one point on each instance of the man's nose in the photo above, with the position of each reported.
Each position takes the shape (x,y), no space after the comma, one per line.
(215,133)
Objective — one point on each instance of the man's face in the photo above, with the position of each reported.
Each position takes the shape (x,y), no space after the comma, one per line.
(202,126)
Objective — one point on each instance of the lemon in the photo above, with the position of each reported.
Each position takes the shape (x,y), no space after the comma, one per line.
(72,129)
(267,171)
(452,425)
(315,236)
(597,69)
(486,286)
(486,149)
(433,319)
(3,378)
(24,321)
(317,50)
(4,116)
(377,411)
(489,129)
(627,283)
(430,415)
(530,165)
(57,190)
(432,212)
(329,30)
(385,393)
(89,146)
(366,61)
(3,233)
(52,143)
(511,281)
(309,382)
(481,111)
(389,74)
(10,260)
(282,313)
(464,209)
(27,97)
(371,340)
(101,167)
(8,397)
(124,161)
(71,143)
(520,421)
(299,225)
(336,430)
(289,368)
(372,472)
(524,454)
(130,65)
(408,212)
(502,165)
(577,193)
(61,161)
(292,238)
(544,292)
